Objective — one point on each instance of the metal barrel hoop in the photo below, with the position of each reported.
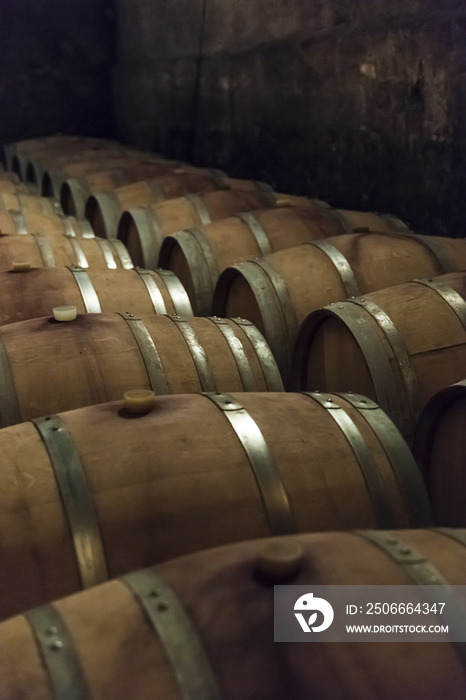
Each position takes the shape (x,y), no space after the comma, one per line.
(45,249)
(451,297)
(153,290)
(121,253)
(402,462)
(257,230)
(76,498)
(264,355)
(435,589)
(58,654)
(437,251)
(10,413)
(237,350)
(262,462)
(156,190)
(177,292)
(19,222)
(150,234)
(197,352)
(364,457)
(149,353)
(341,265)
(107,253)
(81,260)
(171,624)
(200,208)
(88,293)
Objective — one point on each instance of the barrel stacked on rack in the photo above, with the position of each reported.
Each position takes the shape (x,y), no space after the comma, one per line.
(148,432)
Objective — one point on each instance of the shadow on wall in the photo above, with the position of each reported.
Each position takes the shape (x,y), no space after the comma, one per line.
(55,72)
(362,104)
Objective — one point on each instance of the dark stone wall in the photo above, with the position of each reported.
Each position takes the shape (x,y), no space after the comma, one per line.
(56,60)
(359,102)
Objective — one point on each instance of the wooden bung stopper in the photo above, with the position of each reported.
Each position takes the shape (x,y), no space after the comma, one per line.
(279,559)
(21,266)
(139,400)
(65,313)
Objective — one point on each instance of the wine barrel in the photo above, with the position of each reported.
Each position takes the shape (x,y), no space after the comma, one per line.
(399,346)
(253,464)
(51,225)
(76,191)
(30,146)
(20,200)
(143,229)
(8,185)
(41,251)
(199,255)
(278,291)
(39,164)
(440,450)
(105,209)
(203,626)
(34,292)
(21,154)
(108,354)
(112,169)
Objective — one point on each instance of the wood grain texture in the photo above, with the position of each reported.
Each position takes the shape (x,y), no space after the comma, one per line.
(160,481)
(222,596)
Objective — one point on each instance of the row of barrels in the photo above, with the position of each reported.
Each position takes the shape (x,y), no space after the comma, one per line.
(96,492)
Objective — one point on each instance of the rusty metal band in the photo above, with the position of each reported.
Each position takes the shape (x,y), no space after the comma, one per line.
(394,223)
(454,300)
(177,292)
(367,464)
(400,352)
(266,296)
(341,265)
(170,622)
(439,254)
(110,209)
(45,250)
(76,498)
(264,355)
(81,260)
(153,291)
(80,193)
(19,222)
(104,246)
(58,654)
(402,462)
(200,207)
(88,293)
(198,353)
(257,231)
(156,190)
(122,253)
(10,413)
(262,462)
(149,353)
(150,233)
(422,572)
(237,350)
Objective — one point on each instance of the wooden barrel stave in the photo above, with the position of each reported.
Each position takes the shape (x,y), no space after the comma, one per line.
(110,354)
(298,279)
(185,474)
(415,345)
(35,292)
(138,662)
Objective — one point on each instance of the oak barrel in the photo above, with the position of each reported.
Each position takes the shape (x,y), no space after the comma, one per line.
(199,470)
(143,229)
(40,250)
(23,201)
(399,346)
(50,225)
(76,189)
(31,146)
(113,171)
(440,449)
(278,291)
(35,292)
(199,255)
(202,627)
